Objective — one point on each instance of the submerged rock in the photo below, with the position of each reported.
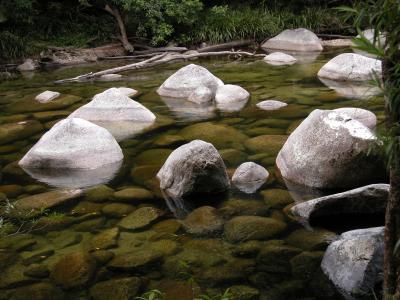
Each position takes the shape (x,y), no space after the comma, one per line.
(299,39)
(271,105)
(73,270)
(279,59)
(351,67)
(354,263)
(194,168)
(17,131)
(186,80)
(231,97)
(73,144)
(47,96)
(249,177)
(137,260)
(244,228)
(370,199)
(120,288)
(140,218)
(330,150)
(110,77)
(203,220)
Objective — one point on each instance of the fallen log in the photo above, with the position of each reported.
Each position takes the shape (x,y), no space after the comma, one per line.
(223,46)
(130,57)
(155,61)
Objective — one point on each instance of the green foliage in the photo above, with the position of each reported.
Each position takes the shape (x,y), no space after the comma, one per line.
(151,295)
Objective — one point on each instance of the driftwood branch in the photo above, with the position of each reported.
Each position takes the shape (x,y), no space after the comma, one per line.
(241,43)
(158,60)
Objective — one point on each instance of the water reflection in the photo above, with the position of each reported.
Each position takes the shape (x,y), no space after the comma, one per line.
(352,90)
(190,111)
(75,178)
(122,130)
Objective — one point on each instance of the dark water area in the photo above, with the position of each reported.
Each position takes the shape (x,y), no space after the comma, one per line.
(51,260)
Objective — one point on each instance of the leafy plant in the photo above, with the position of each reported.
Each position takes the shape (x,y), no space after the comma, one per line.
(152,295)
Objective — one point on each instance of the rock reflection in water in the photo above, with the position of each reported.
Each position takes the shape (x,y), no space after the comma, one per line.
(352,90)
(122,130)
(75,178)
(190,111)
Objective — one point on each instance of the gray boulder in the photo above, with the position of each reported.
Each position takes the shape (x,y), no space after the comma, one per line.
(351,67)
(112,105)
(354,263)
(366,117)
(73,144)
(330,149)
(249,177)
(186,80)
(279,59)
(194,168)
(231,97)
(370,199)
(299,39)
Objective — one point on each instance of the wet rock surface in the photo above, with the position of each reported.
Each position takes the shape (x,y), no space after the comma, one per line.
(294,40)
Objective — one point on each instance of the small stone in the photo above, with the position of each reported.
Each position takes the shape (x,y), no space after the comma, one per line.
(279,58)
(266,144)
(203,220)
(119,289)
(231,97)
(247,249)
(117,210)
(170,226)
(73,270)
(318,239)
(249,177)
(103,256)
(47,96)
(271,105)
(132,195)
(243,207)
(233,157)
(138,260)
(105,240)
(140,218)
(244,228)
(100,193)
(276,198)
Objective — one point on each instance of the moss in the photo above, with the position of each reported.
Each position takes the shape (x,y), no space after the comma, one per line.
(17,131)
(153,157)
(317,239)
(233,157)
(28,104)
(267,144)
(276,198)
(275,258)
(100,193)
(133,195)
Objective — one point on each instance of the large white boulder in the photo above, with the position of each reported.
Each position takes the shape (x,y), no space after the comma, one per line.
(330,149)
(112,105)
(73,144)
(249,177)
(230,97)
(186,80)
(364,116)
(194,168)
(354,263)
(279,59)
(351,67)
(299,39)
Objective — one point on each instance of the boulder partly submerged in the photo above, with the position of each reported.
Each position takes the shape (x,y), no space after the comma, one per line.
(73,144)
(186,80)
(299,39)
(352,89)
(230,97)
(279,59)
(351,67)
(331,150)
(249,177)
(354,263)
(194,168)
(366,200)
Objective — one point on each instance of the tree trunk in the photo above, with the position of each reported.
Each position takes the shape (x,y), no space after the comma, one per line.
(124,37)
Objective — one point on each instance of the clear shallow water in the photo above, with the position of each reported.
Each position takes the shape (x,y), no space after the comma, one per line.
(283,265)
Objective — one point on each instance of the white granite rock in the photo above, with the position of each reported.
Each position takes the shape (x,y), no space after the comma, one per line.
(279,58)
(249,177)
(47,96)
(231,97)
(271,105)
(299,39)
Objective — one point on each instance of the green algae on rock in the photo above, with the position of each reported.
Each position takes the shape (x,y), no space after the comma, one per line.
(140,218)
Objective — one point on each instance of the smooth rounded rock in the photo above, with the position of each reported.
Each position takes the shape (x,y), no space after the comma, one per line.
(271,105)
(47,96)
(186,80)
(194,168)
(330,150)
(231,97)
(119,288)
(28,65)
(351,67)
(129,92)
(203,220)
(73,144)
(366,117)
(299,39)
(249,177)
(279,59)
(201,95)
(140,218)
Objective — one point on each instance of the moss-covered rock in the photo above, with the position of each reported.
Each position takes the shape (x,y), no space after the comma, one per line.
(244,228)
(267,144)
(169,140)
(28,104)
(175,289)
(276,198)
(141,174)
(203,220)
(133,195)
(221,136)
(34,189)
(73,270)
(117,210)
(37,271)
(119,289)
(11,190)
(248,249)
(306,264)
(100,193)
(86,207)
(16,131)
(275,258)
(38,291)
(317,239)
(138,260)
(105,240)
(243,207)
(170,226)
(244,292)
(44,116)
(140,218)
(153,157)
(233,157)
